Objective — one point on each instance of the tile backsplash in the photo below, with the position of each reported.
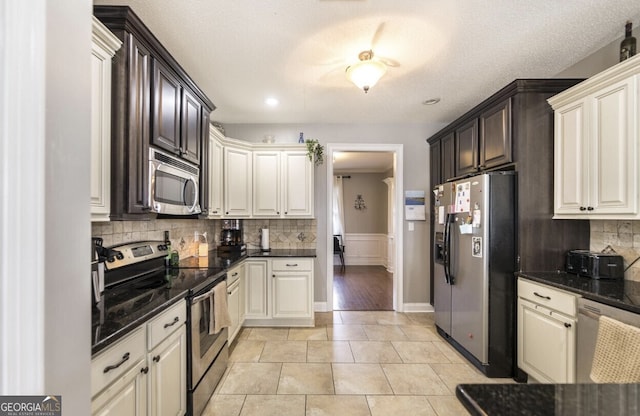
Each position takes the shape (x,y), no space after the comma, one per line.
(283,234)
(621,236)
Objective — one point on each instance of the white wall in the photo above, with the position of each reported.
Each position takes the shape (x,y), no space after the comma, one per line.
(44,220)
(67,302)
(416,177)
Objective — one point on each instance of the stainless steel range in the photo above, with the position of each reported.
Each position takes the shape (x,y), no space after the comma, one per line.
(136,284)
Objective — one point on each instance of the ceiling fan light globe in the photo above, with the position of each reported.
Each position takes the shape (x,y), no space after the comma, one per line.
(365,74)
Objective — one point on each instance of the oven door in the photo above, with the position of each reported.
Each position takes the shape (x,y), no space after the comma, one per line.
(204,346)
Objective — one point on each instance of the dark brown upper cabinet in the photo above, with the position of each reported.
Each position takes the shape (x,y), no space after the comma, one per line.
(154,103)
(447,159)
(176,116)
(466,148)
(495,136)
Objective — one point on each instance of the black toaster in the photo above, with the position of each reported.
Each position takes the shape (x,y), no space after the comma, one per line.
(595,265)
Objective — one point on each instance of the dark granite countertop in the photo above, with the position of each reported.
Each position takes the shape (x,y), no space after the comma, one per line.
(125,307)
(623,294)
(550,399)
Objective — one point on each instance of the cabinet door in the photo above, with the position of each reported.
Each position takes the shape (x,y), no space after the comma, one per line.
(233,303)
(191,124)
(214,168)
(168,372)
(204,161)
(257,290)
(237,182)
(447,158)
(266,183)
(571,150)
(546,343)
(242,299)
(127,396)
(495,136)
(614,144)
(167,94)
(466,148)
(136,155)
(435,172)
(297,184)
(291,294)
(100,131)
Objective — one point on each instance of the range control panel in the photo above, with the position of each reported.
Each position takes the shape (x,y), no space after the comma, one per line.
(136,252)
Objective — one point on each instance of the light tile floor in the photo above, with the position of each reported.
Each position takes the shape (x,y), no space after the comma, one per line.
(351,363)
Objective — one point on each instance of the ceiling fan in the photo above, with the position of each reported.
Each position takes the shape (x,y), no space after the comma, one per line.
(365,68)
(370,68)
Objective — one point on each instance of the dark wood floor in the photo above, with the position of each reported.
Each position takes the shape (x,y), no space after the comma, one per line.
(362,288)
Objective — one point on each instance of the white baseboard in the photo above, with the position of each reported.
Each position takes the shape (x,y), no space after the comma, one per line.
(320,307)
(418,307)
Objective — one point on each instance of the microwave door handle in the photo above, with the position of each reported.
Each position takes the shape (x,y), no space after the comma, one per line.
(195,200)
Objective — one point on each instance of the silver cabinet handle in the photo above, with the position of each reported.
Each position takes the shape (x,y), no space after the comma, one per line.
(114,366)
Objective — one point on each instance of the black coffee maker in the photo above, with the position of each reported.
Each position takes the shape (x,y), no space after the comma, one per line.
(231,236)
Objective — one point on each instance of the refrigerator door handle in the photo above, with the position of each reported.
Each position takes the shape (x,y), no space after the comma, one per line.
(447,249)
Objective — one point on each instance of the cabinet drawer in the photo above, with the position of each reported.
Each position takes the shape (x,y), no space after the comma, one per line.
(291,265)
(552,298)
(116,360)
(164,324)
(235,274)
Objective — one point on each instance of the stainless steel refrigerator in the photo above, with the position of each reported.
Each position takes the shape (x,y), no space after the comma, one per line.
(474,266)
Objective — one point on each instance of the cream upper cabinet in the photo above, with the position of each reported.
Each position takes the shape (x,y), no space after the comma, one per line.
(237,182)
(267,185)
(215,173)
(282,184)
(103,47)
(297,185)
(596,146)
(256,180)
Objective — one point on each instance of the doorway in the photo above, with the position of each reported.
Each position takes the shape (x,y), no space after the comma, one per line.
(336,274)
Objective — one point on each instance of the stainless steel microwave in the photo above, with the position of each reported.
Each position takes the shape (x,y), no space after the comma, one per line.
(173,185)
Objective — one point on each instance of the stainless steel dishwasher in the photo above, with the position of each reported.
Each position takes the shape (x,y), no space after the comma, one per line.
(588,313)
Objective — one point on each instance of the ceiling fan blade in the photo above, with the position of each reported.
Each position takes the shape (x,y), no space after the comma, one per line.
(377,35)
(388,61)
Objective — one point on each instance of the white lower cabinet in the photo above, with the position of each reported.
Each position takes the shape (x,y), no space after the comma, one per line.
(546,332)
(126,396)
(292,280)
(257,290)
(168,374)
(279,292)
(145,373)
(235,303)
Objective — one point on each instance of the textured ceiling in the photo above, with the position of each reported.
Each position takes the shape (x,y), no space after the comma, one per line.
(243,51)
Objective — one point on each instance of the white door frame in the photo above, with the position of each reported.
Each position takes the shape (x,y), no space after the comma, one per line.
(398,277)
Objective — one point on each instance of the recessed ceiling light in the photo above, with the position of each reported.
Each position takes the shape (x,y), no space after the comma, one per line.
(271,102)
(431,101)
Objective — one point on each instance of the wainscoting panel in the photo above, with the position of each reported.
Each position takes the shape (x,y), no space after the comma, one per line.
(365,249)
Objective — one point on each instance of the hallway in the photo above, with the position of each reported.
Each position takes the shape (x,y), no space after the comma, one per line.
(362,288)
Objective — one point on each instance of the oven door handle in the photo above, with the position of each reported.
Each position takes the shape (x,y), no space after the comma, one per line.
(202,297)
